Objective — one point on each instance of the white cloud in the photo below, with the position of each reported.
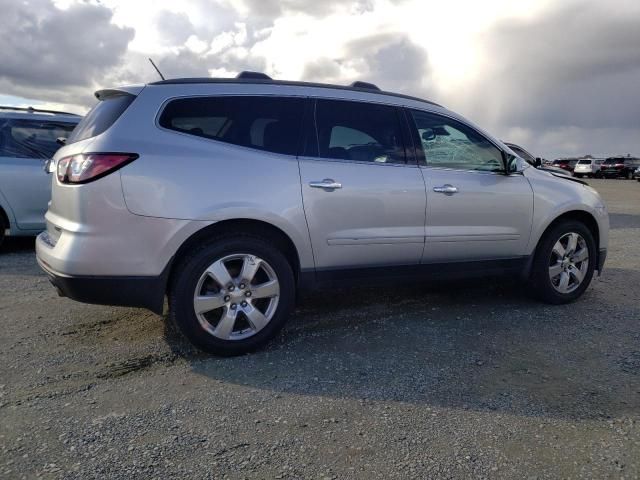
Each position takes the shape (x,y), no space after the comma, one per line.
(558,78)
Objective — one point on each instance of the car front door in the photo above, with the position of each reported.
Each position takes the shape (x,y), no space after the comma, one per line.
(474,211)
(364,202)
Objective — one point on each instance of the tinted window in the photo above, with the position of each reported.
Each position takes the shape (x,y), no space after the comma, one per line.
(584,162)
(266,123)
(357,131)
(31,138)
(101,117)
(450,144)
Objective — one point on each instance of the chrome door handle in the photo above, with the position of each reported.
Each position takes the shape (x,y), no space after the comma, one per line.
(327,183)
(446,189)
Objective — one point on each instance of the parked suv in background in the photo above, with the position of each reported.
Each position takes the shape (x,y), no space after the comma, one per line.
(229,195)
(619,167)
(27,140)
(589,167)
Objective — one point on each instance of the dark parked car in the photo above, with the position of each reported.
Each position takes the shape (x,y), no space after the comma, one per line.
(623,167)
(567,164)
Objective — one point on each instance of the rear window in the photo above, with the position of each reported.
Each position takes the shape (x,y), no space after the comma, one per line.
(101,117)
(612,161)
(584,162)
(31,138)
(261,122)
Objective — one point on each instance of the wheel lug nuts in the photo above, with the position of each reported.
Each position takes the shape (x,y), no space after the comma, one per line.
(247,294)
(244,304)
(227,298)
(242,285)
(233,306)
(231,288)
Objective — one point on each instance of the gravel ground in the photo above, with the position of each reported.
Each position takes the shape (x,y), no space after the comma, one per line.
(464,381)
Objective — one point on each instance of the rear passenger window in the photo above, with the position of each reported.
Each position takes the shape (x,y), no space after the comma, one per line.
(357,131)
(265,123)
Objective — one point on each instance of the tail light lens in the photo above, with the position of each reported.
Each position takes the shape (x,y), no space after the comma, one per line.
(87,167)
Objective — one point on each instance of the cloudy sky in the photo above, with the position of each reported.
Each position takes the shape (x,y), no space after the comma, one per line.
(559,77)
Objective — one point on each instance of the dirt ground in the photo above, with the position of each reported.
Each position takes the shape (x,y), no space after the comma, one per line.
(472,380)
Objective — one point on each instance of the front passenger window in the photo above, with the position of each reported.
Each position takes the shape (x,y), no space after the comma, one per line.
(447,143)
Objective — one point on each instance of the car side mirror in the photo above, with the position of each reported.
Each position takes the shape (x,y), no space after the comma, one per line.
(428,135)
(61,141)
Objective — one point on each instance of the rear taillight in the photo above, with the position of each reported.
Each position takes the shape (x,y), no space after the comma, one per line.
(86,167)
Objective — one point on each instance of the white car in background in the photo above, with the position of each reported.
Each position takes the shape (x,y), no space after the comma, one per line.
(589,167)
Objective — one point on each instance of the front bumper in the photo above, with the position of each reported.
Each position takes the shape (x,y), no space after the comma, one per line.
(144,292)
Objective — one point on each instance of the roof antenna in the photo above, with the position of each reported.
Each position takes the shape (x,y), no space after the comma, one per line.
(157,70)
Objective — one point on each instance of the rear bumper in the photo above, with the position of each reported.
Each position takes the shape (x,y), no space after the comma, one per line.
(127,291)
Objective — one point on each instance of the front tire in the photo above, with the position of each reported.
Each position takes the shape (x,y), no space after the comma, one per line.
(232,295)
(564,263)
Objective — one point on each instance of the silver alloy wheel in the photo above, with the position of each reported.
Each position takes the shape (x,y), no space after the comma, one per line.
(569,262)
(236,296)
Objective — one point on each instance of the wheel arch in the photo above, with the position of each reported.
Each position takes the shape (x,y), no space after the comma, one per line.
(238,226)
(578,215)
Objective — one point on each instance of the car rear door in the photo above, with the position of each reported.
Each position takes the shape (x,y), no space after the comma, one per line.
(364,202)
(474,210)
(25,145)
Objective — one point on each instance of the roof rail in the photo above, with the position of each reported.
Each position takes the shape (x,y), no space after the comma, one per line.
(365,85)
(269,81)
(36,110)
(254,75)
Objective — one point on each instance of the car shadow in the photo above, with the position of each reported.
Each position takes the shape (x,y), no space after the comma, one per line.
(17,245)
(481,345)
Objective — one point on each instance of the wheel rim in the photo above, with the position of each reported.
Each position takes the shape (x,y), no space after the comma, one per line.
(236,296)
(569,262)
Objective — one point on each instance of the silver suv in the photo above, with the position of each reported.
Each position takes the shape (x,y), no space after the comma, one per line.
(28,139)
(229,195)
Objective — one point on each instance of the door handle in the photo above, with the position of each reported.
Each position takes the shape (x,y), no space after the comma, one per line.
(446,189)
(327,184)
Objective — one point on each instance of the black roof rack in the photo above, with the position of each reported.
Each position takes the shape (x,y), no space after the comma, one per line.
(36,110)
(254,75)
(268,81)
(366,86)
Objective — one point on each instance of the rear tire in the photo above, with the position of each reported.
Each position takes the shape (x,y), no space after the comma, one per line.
(227,280)
(556,269)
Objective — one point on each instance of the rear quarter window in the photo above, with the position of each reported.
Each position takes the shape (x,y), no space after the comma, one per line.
(265,123)
(31,138)
(101,117)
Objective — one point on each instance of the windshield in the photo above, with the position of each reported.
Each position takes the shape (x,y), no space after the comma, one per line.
(101,117)
(31,138)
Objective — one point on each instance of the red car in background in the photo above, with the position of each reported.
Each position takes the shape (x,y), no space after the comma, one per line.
(567,164)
